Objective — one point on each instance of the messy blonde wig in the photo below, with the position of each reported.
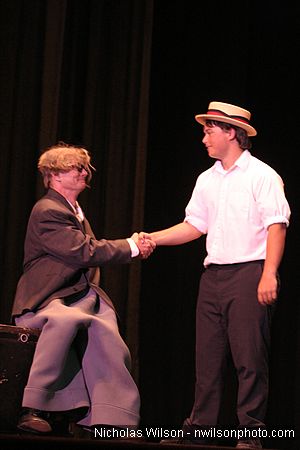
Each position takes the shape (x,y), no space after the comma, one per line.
(62,158)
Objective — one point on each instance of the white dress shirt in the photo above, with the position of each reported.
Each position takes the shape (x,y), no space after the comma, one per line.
(235,208)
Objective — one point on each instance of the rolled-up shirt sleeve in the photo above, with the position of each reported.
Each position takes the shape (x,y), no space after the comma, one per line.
(271,201)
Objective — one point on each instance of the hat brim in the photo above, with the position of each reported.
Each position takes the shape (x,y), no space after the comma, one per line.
(202,118)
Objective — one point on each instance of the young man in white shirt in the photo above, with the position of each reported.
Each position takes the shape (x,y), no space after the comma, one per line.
(240,205)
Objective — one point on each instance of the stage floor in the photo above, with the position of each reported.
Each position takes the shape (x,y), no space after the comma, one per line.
(32,442)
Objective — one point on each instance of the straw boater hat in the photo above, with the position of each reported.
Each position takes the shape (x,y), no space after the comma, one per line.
(224,112)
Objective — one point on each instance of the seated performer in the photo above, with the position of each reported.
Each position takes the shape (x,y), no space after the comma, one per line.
(81,364)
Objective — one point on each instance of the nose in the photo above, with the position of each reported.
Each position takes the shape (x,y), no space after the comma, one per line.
(82,170)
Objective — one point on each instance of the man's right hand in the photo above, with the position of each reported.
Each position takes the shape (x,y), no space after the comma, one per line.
(145,244)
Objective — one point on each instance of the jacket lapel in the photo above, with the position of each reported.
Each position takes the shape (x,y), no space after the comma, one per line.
(51,193)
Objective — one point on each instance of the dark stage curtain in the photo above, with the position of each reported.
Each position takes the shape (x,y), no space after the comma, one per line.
(125,78)
(76,71)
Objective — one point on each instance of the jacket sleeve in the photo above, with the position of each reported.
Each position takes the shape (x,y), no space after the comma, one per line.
(58,235)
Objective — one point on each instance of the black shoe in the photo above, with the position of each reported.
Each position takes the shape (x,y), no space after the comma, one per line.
(63,422)
(249,443)
(34,421)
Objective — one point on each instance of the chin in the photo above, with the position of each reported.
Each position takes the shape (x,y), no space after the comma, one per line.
(212,155)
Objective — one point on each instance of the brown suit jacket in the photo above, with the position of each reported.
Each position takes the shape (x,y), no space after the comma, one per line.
(62,256)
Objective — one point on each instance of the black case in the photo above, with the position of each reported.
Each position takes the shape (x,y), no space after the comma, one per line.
(17,346)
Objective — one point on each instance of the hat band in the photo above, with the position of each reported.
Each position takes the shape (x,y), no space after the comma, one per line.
(221,113)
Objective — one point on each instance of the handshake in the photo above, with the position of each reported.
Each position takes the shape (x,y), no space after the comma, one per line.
(145,244)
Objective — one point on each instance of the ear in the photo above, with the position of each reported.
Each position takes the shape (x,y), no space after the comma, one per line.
(56,177)
(231,134)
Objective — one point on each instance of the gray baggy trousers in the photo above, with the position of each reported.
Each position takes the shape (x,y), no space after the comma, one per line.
(81,361)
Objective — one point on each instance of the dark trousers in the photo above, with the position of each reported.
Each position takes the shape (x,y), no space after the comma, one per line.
(229,316)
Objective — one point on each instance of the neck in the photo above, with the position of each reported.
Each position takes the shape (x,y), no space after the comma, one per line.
(229,160)
(71,196)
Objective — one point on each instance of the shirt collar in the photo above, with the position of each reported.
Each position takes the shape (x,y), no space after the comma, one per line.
(242,162)
(77,210)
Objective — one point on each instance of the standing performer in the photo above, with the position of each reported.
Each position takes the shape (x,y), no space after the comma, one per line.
(239,203)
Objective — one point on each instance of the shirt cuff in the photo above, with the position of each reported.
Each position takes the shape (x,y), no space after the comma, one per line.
(134,248)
